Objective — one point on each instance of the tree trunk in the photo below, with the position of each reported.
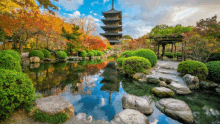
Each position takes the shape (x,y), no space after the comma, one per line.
(20,47)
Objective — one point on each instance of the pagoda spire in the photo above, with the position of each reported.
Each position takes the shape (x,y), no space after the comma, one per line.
(113,5)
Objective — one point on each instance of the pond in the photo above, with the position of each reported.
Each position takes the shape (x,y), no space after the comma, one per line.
(86,85)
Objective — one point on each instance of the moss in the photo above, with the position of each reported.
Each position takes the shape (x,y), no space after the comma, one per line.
(163,94)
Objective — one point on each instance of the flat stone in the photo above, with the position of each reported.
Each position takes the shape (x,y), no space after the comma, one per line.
(163,92)
(153,80)
(130,116)
(54,104)
(137,103)
(179,88)
(191,81)
(176,109)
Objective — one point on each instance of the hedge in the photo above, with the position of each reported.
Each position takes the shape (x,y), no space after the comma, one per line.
(36,53)
(61,54)
(195,68)
(83,53)
(135,64)
(213,71)
(126,54)
(148,54)
(46,53)
(7,61)
(16,91)
(13,53)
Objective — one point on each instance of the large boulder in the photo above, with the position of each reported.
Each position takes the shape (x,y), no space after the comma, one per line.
(54,104)
(34,59)
(179,88)
(191,81)
(163,84)
(130,116)
(137,103)
(152,80)
(138,76)
(163,92)
(176,109)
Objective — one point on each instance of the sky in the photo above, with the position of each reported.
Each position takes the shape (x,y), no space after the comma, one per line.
(140,16)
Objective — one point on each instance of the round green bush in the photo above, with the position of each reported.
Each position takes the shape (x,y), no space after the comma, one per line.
(83,53)
(169,55)
(99,53)
(13,53)
(135,64)
(16,91)
(61,54)
(46,53)
(94,52)
(126,54)
(90,54)
(36,53)
(7,61)
(120,62)
(148,54)
(213,71)
(195,68)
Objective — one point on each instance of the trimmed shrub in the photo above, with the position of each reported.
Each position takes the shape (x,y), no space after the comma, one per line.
(214,57)
(94,52)
(126,54)
(90,54)
(61,54)
(36,53)
(195,68)
(13,53)
(169,54)
(46,53)
(16,91)
(83,53)
(7,61)
(148,54)
(120,62)
(214,71)
(99,53)
(135,64)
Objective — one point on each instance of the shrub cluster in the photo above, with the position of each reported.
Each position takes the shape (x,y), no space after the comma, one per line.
(99,53)
(13,53)
(46,53)
(61,54)
(120,62)
(126,54)
(36,53)
(90,54)
(94,52)
(148,54)
(16,91)
(214,71)
(7,61)
(83,53)
(195,68)
(135,64)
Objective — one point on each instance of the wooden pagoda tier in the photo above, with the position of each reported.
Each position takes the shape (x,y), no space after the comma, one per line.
(113,25)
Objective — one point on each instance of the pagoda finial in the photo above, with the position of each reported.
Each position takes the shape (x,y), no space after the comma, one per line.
(113,5)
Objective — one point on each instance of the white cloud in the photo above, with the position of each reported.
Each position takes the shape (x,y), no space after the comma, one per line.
(91,11)
(95,19)
(181,14)
(104,1)
(75,14)
(95,14)
(70,4)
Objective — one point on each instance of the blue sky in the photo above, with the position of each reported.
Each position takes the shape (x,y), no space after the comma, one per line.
(140,16)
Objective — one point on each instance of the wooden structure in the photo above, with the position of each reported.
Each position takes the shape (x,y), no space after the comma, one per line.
(113,25)
(164,40)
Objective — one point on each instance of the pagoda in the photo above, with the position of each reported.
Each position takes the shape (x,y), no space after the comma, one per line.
(113,25)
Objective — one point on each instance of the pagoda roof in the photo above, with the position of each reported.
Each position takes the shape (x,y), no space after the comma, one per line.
(111,11)
(106,34)
(105,21)
(109,27)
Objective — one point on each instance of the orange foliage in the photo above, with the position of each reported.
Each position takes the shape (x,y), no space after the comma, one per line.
(100,65)
(94,43)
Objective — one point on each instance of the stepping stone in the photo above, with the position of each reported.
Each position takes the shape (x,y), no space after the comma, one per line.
(54,105)
(179,88)
(163,92)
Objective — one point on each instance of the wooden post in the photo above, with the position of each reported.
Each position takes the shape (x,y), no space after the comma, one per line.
(183,51)
(163,50)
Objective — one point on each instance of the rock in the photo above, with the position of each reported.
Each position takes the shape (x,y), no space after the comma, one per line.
(168,81)
(153,80)
(210,85)
(81,116)
(162,79)
(47,60)
(176,109)
(54,104)
(138,76)
(163,84)
(34,65)
(191,81)
(26,62)
(130,116)
(137,103)
(166,66)
(179,88)
(34,59)
(90,119)
(163,92)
